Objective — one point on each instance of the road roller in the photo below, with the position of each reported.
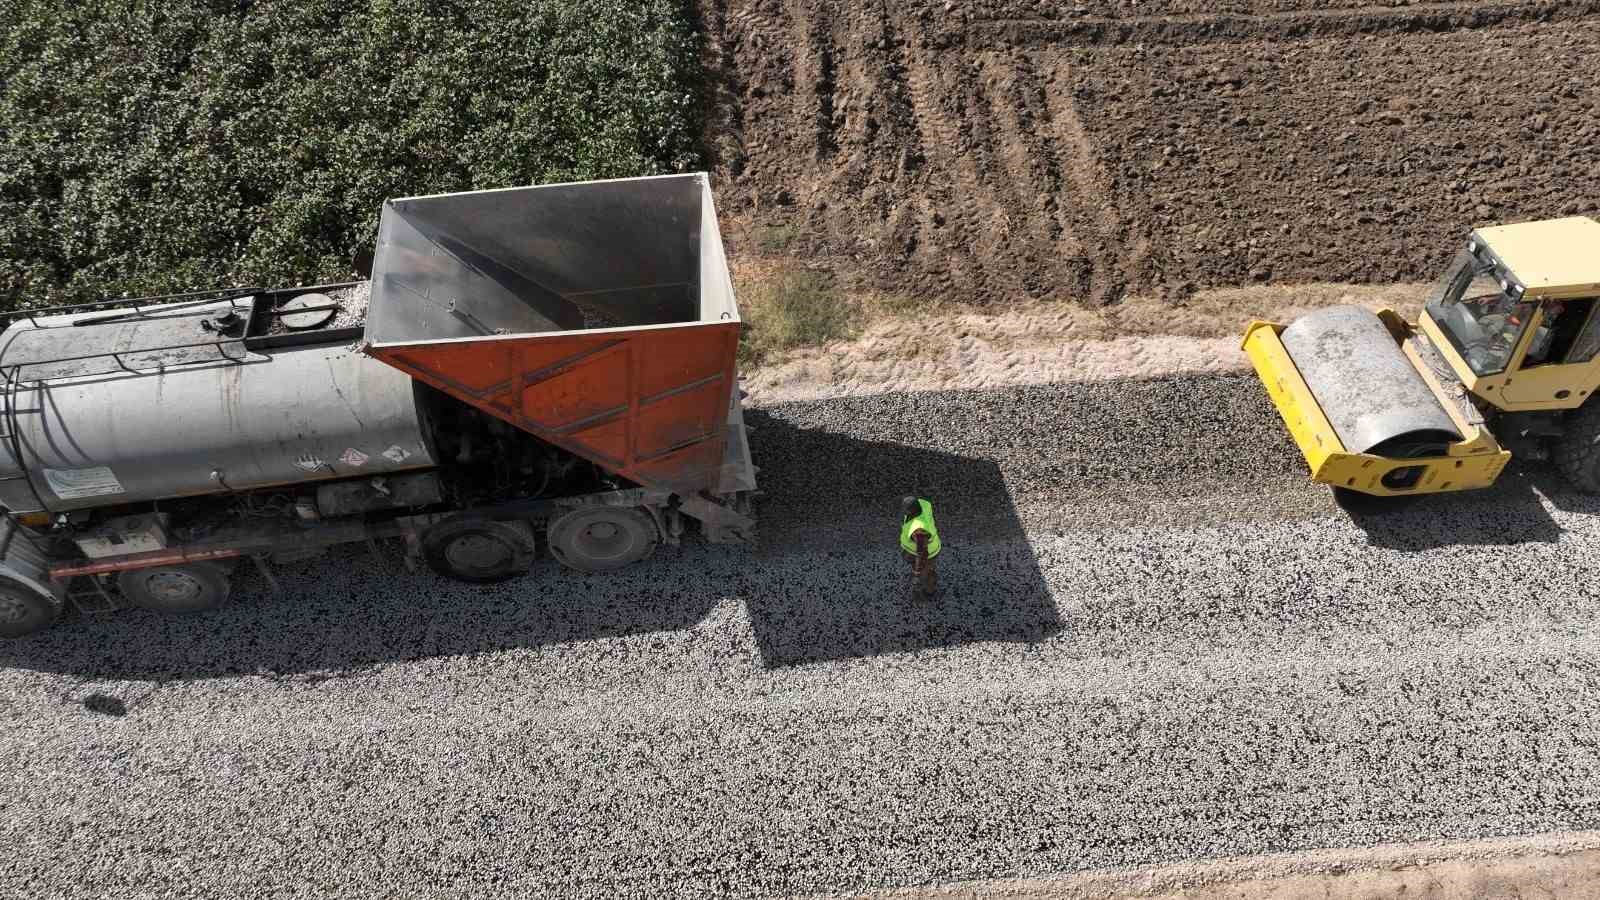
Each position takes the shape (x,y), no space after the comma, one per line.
(525,372)
(1501,361)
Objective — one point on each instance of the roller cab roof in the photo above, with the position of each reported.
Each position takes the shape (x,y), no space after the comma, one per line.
(1554,258)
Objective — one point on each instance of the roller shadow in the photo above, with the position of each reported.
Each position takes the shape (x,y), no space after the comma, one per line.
(829,582)
(826,582)
(1509,513)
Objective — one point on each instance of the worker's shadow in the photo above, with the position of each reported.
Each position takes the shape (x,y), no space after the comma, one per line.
(1507,513)
(829,581)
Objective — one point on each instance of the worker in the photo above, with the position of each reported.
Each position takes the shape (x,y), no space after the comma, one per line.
(1544,335)
(919,543)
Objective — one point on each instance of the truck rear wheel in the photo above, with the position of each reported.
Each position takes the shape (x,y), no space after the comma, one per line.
(479,550)
(602,538)
(1577,450)
(24,610)
(177,589)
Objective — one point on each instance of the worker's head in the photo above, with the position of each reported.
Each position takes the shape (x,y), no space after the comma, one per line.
(909,506)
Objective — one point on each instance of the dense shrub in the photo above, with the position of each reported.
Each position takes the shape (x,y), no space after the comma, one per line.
(172,144)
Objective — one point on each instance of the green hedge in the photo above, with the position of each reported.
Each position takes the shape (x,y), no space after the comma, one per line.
(172,144)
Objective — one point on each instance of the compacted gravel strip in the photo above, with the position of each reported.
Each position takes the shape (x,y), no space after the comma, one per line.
(1129,665)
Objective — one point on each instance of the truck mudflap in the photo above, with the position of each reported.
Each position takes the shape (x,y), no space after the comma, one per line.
(1471,463)
(599,317)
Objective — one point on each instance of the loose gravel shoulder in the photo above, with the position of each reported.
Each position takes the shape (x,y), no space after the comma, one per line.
(1156,644)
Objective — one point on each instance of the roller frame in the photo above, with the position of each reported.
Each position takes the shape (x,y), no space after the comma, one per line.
(1472,463)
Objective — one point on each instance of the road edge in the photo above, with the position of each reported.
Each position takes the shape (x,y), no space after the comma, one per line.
(1561,864)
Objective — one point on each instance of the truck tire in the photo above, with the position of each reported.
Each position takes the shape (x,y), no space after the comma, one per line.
(24,610)
(1577,450)
(482,551)
(602,538)
(176,589)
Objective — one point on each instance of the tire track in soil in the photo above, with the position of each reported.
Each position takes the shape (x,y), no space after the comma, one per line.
(1202,28)
(812,73)
(906,221)
(1120,252)
(955,188)
(1027,163)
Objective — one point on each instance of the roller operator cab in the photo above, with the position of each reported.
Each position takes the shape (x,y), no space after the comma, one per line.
(1504,359)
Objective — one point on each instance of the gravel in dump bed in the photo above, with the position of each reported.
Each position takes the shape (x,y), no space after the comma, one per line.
(352,312)
(1130,664)
(352,305)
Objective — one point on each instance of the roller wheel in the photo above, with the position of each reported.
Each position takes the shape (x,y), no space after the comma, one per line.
(24,610)
(1577,451)
(479,550)
(1359,504)
(176,589)
(602,538)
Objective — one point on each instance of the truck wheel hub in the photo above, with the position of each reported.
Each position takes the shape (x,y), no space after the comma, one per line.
(477,552)
(12,609)
(174,587)
(603,540)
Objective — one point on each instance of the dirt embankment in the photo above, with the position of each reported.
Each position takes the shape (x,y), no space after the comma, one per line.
(1010,150)
(1043,343)
(1564,865)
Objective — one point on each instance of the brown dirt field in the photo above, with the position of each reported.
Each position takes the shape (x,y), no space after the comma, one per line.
(1005,150)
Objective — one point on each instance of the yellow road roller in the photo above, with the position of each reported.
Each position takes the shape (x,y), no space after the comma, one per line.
(1502,360)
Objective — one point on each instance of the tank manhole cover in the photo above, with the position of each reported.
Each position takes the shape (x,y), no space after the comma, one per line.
(300,321)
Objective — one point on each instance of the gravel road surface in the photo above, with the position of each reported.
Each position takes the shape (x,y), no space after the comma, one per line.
(1157,643)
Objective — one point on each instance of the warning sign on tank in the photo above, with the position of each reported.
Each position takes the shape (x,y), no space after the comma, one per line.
(353,457)
(396,454)
(72,484)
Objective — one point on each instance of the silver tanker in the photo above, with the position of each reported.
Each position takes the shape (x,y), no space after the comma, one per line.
(96,424)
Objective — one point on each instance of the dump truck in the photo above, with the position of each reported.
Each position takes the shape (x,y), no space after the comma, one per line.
(545,368)
(1501,361)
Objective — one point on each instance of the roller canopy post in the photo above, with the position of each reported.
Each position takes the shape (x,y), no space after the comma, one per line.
(598,316)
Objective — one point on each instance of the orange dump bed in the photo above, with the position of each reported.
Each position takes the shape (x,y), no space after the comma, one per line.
(598,316)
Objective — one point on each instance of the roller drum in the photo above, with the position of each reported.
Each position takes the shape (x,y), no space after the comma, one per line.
(1367,388)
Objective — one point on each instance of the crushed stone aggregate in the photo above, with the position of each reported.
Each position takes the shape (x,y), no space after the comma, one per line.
(1129,665)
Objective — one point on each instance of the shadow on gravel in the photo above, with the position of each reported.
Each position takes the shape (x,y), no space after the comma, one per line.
(345,613)
(1507,514)
(825,583)
(828,581)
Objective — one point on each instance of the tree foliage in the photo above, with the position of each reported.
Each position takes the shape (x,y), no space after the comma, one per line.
(156,145)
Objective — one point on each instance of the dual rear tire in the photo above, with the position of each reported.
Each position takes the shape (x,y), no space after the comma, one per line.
(589,539)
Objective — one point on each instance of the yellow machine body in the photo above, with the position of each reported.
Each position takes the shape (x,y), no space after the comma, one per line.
(1472,463)
(1545,270)
(1553,261)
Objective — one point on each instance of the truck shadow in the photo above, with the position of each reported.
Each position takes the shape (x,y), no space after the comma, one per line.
(1510,512)
(829,583)
(825,583)
(348,611)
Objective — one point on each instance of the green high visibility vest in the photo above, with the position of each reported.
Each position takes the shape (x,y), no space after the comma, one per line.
(923,521)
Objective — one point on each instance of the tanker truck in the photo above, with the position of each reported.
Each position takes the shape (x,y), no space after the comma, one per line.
(544,368)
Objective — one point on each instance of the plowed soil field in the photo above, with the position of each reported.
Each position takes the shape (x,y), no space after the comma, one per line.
(1011,149)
